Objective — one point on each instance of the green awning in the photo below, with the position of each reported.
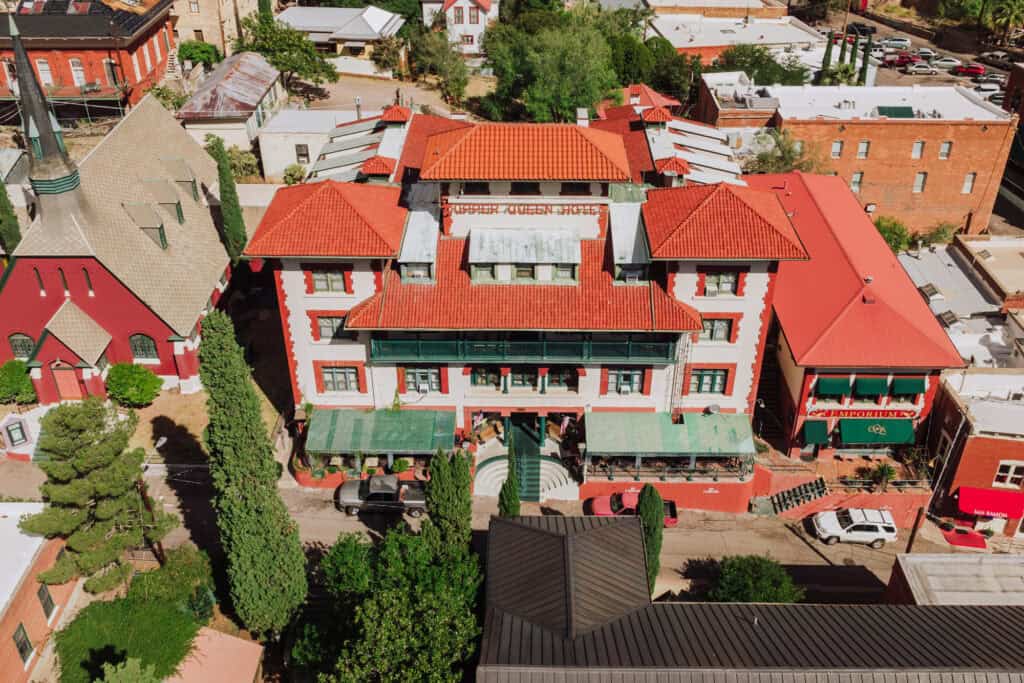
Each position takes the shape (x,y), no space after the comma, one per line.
(815,432)
(379,432)
(870,386)
(654,434)
(907,386)
(832,386)
(879,431)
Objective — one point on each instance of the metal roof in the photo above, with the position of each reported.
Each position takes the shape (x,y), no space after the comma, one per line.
(506,245)
(380,431)
(61,19)
(234,89)
(655,434)
(964,579)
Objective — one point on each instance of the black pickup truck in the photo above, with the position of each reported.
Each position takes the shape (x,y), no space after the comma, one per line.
(383,493)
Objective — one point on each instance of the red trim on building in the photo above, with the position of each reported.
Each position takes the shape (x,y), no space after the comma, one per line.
(314,320)
(766,316)
(648,379)
(346,274)
(730,376)
(442,372)
(741,276)
(734,317)
(467,370)
(378,276)
(604,382)
(505,371)
(543,372)
(582,372)
(307,276)
(670,280)
(701,278)
(741,283)
(289,347)
(401,379)
(360,367)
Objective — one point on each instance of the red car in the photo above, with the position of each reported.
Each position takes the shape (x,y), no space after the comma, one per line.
(972,69)
(901,59)
(624,504)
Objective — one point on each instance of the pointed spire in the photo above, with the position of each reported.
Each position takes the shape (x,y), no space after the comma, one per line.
(51,170)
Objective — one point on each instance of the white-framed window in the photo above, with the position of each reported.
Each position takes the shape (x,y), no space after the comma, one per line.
(717,329)
(45,600)
(416,271)
(110,71)
(482,272)
(917,151)
(328,281)
(523,272)
(302,154)
(855,181)
(837,149)
(149,60)
(457,15)
(422,380)
(708,381)
(45,75)
(340,379)
(156,48)
(474,15)
(945,149)
(968,186)
(720,283)
(863,147)
(328,326)
(22,642)
(920,179)
(1009,474)
(77,71)
(565,272)
(135,67)
(625,380)
(468,39)
(193,6)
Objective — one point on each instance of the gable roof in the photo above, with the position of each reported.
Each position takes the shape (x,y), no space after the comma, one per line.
(629,127)
(79,332)
(485,5)
(858,285)
(656,115)
(343,23)
(525,151)
(331,219)
(568,575)
(649,97)
(421,128)
(233,90)
(175,282)
(396,114)
(378,165)
(719,222)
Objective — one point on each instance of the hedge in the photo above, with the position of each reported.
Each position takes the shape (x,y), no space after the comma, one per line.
(132,385)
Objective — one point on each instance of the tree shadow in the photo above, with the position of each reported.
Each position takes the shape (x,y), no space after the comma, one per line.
(107,654)
(308,91)
(837,584)
(548,511)
(179,446)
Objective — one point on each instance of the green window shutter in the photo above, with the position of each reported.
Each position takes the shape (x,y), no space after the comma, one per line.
(832,386)
(905,386)
(179,212)
(815,432)
(870,386)
(880,431)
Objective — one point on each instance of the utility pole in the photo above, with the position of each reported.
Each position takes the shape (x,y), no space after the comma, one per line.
(846,18)
(913,530)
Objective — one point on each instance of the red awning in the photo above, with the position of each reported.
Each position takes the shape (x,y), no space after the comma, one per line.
(991,502)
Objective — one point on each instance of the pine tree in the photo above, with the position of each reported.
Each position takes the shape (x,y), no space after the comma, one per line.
(651,510)
(826,61)
(266,9)
(265,564)
(508,497)
(10,231)
(92,486)
(233,236)
(862,77)
(449,500)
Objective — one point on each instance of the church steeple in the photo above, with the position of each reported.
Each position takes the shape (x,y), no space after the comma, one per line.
(51,170)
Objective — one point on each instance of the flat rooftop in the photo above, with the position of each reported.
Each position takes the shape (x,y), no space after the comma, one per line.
(312,120)
(964,579)
(749,4)
(19,549)
(847,102)
(993,397)
(1002,258)
(953,285)
(696,31)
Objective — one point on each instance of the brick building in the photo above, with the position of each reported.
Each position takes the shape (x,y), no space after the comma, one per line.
(925,155)
(210,21)
(709,36)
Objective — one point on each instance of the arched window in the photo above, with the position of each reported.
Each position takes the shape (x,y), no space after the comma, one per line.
(143,347)
(63,280)
(88,280)
(21,345)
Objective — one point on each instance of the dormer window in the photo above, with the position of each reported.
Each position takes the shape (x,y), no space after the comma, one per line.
(524,272)
(164,194)
(576,189)
(183,177)
(416,272)
(632,274)
(565,272)
(482,272)
(149,221)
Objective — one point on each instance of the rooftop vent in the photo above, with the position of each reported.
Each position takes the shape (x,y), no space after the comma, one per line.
(948,318)
(868,279)
(930,291)
(985,254)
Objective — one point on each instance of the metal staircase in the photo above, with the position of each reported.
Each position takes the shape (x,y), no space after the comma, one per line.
(527,448)
(798,495)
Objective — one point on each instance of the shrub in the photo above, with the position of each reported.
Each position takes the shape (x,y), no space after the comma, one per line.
(508,497)
(185,575)
(751,578)
(400,465)
(243,162)
(940,234)
(294,174)
(132,385)
(129,671)
(199,53)
(15,383)
(894,232)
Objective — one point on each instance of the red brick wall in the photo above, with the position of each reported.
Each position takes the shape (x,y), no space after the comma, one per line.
(978,463)
(26,609)
(978,147)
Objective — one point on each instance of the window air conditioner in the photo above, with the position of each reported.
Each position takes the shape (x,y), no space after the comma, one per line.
(423,388)
(710,290)
(625,389)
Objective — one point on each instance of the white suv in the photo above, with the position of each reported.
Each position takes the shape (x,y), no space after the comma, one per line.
(855,525)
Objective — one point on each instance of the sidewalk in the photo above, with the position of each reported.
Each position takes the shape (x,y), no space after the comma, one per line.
(20,480)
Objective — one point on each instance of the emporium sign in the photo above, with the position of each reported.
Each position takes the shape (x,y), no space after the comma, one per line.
(839,412)
(523,209)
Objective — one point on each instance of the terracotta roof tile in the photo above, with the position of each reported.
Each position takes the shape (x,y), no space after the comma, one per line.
(485,5)
(379,165)
(396,114)
(454,302)
(672,165)
(524,151)
(631,130)
(331,219)
(649,97)
(421,128)
(656,115)
(719,221)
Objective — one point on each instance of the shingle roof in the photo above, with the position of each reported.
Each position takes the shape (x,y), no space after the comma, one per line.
(455,303)
(858,285)
(331,219)
(524,151)
(234,89)
(79,332)
(66,19)
(175,282)
(719,221)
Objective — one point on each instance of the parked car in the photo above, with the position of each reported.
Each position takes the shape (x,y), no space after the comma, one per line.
(972,69)
(878,53)
(900,59)
(381,493)
(896,42)
(996,58)
(926,53)
(624,504)
(920,68)
(990,78)
(998,98)
(987,89)
(859,28)
(946,62)
(855,525)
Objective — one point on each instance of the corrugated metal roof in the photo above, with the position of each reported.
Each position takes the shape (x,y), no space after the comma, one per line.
(235,88)
(513,245)
(380,431)
(655,433)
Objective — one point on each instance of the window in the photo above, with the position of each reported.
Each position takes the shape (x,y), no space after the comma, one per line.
(563,377)
(143,347)
(135,66)
(944,149)
(717,329)
(22,345)
(193,6)
(457,15)
(523,377)
(423,379)
(46,600)
(483,273)
(45,75)
(340,379)
(476,188)
(968,186)
(102,363)
(625,380)
(576,189)
(862,149)
(565,272)
(855,181)
(329,326)
(145,56)
(302,154)
(416,271)
(167,41)
(198,35)
(156,49)
(328,281)
(521,188)
(22,642)
(632,274)
(523,271)
(110,72)
(917,151)
(837,149)
(16,434)
(77,71)
(485,377)
(1010,474)
(920,178)
(474,15)
(719,283)
(39,281)
(63,281)
(708,381)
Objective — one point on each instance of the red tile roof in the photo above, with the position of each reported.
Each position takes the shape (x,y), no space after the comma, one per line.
(454,303)
(719,222)
(649,97)
(672,165)
(526,151)
(396,114)
(485,5)
(331,219)
(830,313)
(656,115)
(379,165)
(631,130)
(421,128)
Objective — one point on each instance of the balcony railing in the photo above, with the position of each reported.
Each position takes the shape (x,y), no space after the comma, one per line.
(512,350)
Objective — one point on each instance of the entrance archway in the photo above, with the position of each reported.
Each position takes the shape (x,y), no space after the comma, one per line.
(68,388)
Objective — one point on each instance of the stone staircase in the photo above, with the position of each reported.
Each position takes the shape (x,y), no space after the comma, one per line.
(553,481)
(173,67)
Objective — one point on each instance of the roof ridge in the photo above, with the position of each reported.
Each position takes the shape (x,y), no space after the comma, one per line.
(317,188)
(714,190)
(821,213)
(735,191)
(367,222)
(835,320)
(587,132)
(461,138)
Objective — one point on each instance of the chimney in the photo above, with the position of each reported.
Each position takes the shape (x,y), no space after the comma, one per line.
(583,117)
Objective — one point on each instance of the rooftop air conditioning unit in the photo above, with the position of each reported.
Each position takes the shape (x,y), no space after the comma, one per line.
(625,389)
(423,388)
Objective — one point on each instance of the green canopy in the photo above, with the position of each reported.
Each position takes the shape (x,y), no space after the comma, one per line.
(870,386)
(654,434)
(908,386)
(815,432)
(876,431)
(379,432)
(832,386)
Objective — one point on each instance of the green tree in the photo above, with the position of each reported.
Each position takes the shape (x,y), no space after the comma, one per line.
(10,230)
(894,232)
(132,385)
(881,474)
(294,174)
(129,671)
(387,54)
(761,66)
(632,60)
(751,578)
(432,53)
(265,10)
(862,75)
(288,50)
(571,69)
(1008,15)
(15,383)
(243,162)
(449,500)
(265,562)
(198,52)
(826,61)
(508,496)
(673,74)
(651,509)
(842,51)
(92,487)
(853,52)
(780,153)
(170,97)
(840,74)
(233,230)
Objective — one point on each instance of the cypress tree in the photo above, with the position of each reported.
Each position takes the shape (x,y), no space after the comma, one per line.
(92,487)
(233,236)
(853,52)
(10,231)
(842,51)
(266,567)
(508,497)
(651,510)
(449,500)
(862,77)
(266,10)
(826,61)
